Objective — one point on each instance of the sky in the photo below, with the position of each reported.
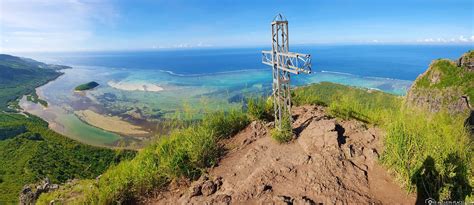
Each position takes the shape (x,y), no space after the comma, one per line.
(77,25)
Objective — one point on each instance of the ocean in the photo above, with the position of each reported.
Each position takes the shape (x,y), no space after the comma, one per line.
(403,62)
(197,80)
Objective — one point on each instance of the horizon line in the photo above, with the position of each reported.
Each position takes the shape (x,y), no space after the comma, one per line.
(244,46)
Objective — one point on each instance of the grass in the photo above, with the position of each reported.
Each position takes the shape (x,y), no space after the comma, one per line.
(347,102)
(184,153)
(260,108)
(451,77)
(28,75)
(29,152)
(429,153)
(285,133)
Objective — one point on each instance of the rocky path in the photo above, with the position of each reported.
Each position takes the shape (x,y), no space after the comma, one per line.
(330,161)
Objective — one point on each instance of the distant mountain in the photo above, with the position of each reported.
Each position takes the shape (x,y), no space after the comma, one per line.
(20,76)
(29,151)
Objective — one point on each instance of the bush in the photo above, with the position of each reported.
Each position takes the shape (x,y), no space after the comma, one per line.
(285,134)
(260,108)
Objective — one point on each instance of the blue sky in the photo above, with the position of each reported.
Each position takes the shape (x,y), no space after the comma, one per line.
(63,25)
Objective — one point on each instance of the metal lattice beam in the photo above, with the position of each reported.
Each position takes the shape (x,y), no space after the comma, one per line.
(283,64)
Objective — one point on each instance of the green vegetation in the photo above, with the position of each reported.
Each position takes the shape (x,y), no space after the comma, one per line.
(35,99)
(20,76)
(430,152)
(86,86)
(449,75)
(29,151)
(183,153)
(285,134)
(415,141)
(260,108)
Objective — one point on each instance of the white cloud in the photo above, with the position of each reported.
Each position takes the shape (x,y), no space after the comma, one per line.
(51,24)
(460,39)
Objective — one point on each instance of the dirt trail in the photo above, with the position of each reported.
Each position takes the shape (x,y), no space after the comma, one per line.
(331,162)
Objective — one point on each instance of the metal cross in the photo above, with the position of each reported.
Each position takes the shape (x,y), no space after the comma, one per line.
(283,63)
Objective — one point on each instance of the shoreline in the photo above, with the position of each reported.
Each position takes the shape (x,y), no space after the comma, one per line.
(52,125)
(113,122)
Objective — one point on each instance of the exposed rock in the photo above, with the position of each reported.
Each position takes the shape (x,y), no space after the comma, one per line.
(208,188)
(435,90)
(29,196)
(283,200)
(218,182)
(196,190)
(223,199)
(331,162)
(435,99)
(467,60)
(304,201)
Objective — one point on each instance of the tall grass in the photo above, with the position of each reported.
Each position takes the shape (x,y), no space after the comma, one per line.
(429,152)
(183,153)
(260,108)
(285,133)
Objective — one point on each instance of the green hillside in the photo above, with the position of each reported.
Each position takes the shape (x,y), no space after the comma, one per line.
(444,84)
(20,76)
(29,151)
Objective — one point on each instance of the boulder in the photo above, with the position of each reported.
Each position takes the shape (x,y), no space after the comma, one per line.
(29,195)
(208,188)
(467,61)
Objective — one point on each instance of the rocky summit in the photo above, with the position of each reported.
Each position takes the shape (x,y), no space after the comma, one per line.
(330,161)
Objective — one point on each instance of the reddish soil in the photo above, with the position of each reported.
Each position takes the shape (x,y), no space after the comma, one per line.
(330,161)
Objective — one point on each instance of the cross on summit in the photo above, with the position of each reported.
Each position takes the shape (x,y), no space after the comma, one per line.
(283,64)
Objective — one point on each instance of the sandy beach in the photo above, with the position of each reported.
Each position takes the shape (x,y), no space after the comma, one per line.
(109,123)
(129,86)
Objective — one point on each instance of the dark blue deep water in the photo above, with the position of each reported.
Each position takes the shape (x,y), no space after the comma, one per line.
(403,62)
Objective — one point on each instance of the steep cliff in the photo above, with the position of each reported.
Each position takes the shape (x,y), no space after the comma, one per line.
(445,85)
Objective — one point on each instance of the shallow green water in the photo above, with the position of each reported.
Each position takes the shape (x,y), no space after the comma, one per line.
(195,94)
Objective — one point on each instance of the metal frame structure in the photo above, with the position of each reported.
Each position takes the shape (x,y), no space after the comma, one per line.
(283,64)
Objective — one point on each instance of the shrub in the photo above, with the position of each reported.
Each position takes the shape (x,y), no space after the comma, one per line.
(285,134)
(260,108)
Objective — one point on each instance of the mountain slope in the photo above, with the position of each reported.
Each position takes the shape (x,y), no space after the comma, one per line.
(445,85)
(29,151)
(20,76)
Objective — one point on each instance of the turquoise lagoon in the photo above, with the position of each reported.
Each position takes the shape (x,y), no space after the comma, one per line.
(203,80)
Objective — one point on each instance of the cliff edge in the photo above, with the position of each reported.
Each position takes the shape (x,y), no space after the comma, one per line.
(445,85)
